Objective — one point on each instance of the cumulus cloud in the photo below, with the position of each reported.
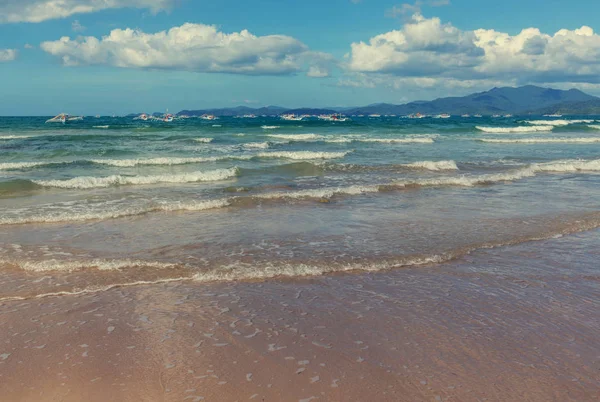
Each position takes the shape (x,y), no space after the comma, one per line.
(190,47)
(42,10)
(428,48)
(7,55)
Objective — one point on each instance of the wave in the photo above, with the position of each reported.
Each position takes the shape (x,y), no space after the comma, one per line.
(270,127)
(435,166)
(204,140)
(69,215)
(297,137)
(568,166)
(168,161)
(20,165)
(241,271)
(557,123)
(257,145)
(303,155)
(520,129)
(397,140)
(15,137)
(543,141)
(71,266)
(105,127)
(594,127)
(88,182)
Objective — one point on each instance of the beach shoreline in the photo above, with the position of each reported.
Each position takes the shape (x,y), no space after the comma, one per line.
(467,330)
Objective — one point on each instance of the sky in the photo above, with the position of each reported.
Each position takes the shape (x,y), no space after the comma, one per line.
(124,56)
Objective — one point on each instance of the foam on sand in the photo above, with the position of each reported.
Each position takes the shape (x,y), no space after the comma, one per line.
(88,182)
(515,130)
(589,140)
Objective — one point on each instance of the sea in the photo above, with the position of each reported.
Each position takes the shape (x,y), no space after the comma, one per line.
(110,202)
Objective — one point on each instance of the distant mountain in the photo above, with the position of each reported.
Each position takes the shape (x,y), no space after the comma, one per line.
(496,101)
(529,99)
(590,107)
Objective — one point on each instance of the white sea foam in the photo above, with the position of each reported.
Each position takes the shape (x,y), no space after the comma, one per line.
(87,182)
(594,126)
(270,127)
(435,166)
(168,161)
(70,266)
(257,145)
(20,165)
(557,123)
(297,137)
(104,127)
(515,130)
(303,155)
(543,141)
(319,193)
(54,215)
(204,140)
(14,137)
(575,165)
(413,140)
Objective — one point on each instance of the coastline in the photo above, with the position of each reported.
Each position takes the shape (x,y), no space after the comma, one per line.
(513,323)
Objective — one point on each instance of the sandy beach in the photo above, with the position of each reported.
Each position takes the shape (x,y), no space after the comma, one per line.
(496,325)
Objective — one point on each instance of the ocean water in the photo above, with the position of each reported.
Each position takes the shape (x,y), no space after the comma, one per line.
(107,202)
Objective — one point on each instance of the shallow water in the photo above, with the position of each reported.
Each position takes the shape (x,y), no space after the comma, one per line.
(112,201)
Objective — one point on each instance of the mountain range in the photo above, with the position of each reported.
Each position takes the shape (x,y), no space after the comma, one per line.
(524,100)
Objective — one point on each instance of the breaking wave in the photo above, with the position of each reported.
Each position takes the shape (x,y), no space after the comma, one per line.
(87,182)
(434,166)
(270,127)
(204,140)
(594,127)
(557,123)
(543,141)
(14,137)
(303,155)
(297,137)
(20,165)
(68,215)
(257,145)
(509,130)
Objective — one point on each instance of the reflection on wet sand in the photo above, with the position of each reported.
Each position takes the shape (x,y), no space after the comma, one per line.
(515,323)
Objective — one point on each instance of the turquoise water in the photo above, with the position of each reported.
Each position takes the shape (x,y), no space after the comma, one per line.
(253,198)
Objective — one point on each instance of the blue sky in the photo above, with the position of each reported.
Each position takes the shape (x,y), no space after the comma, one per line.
(296,53)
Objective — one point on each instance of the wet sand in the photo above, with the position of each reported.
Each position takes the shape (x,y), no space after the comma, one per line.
(516,323)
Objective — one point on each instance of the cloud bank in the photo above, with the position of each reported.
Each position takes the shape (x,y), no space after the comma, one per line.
(428,50)
(191,47)
(12,11)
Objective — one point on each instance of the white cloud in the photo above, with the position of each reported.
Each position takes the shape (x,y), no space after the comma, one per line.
(428,48)
(7,55)
(42,10)
(190,47)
